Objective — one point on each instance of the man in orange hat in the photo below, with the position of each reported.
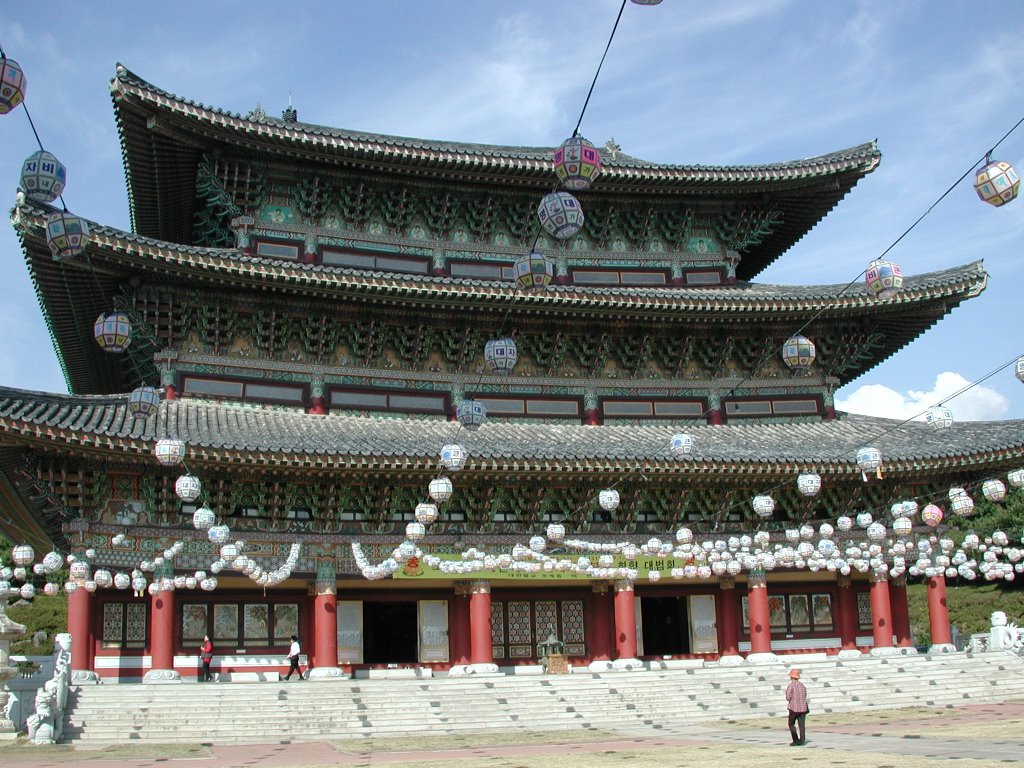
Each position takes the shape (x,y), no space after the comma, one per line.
(796,702)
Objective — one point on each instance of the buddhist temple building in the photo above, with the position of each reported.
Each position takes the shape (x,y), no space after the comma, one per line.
(311,307)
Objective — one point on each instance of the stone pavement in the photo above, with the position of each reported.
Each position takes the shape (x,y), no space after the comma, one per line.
(944,736)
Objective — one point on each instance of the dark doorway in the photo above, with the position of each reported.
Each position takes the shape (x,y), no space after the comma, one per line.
(665,625)
(389,633)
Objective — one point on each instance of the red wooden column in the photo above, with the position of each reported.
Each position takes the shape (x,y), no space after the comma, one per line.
(760,618)
(900,611)
(881,614)
(625,620)
(161,638)
(727,618)
(80,604)
(324,663)
(846,618)
(481,650)
(938,616)
(458,626)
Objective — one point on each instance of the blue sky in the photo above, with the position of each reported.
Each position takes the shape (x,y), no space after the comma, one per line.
(734,81)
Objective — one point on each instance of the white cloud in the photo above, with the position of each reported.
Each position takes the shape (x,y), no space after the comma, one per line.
(979,403)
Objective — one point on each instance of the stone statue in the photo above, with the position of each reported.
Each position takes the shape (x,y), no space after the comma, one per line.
(1004,635)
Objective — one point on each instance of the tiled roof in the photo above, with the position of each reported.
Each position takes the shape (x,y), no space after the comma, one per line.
(163,138)
(224,432)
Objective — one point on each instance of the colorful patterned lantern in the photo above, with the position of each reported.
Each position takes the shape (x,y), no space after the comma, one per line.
(764,505)
(932,515)
(994,490)
(682,445)
(534,270)
(169,451)
(43,177)
(67,235)
(609,500)
(577,163)
(188,488)
(415,531)
(12,85)
(809,484)
(883,278)
(501,355)
(560,214)
(471,414)
(939,417)
(425,513)
(997,183)
(902,526)
(1020,369)
(440,489)
(869,459)
(203,518)
(1016,478)
(454,457)
(113,332)
(143,401)
(23,555)
(798,353)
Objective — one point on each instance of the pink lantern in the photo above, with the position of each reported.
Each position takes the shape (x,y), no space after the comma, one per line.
(932,515)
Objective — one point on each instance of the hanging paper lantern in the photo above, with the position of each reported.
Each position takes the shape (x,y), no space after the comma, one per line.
(203,518)
(169,451)
(415,531)
(188,488)
(844,523)
(122,580)
(27,591)
(51,588)
(1016,478)
(883,278)
(1020,369)
(143,401)
(798,353)
(79,571)
(764,505)
(501,355)
(809,484)
(939,417)
(609,500)
(997,183)
(440,489)
(43,177)
(560,214)
(876,531)
(932,515)
(425,513)
(23,555)
(902,526)
(647,2)
(869,459)
(113,332)
(453,457)
(471,414)
(577,163)
(52,562)
(962,505)
(556,531)
(682,445)
(12,85)
(994,490)
(103,578)
(534,270)
(218,534)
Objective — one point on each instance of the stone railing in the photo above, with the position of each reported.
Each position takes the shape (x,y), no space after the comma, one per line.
(1003,635)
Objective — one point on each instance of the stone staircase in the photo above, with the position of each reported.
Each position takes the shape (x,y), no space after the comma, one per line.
(226,713)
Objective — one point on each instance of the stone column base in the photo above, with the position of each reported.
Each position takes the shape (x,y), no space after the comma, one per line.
(326,673)
(627,665)
(601,665)
(466,670)
(762,658)
(942,648)
(161,677)
(850,653)
(885,650)
(8,731)
(907,650)
(730,660)
(84,677)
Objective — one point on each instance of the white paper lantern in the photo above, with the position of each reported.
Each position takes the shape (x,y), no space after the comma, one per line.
(415,531)
(471,414)
(962,505)
(501,355)
(218,534)
(869,459)
(52,562)
(883,279)
(764,505)
(609,500)
(560,214)
(425,513)
(939,417)
(203,518)
(533,270)
(844,523)
(143,401)
(798,352)
(996,183)
(23,554)
(51,588)
(27,591)
(1019,372)
(122,580)
(103,578)
(113,332)
(994,490)
(188,488)
(169,452)
(555,531)
(902,526)
(67,236)
(682,445)
(1015,478)
(809,484)
(453,457)
(440,489)
(43,177)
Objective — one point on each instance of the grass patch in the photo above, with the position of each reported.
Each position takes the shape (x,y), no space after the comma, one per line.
(472,740)
(22,748)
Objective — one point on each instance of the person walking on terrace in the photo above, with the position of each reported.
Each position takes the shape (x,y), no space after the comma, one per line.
(796,702)
(206,656)
(293,658)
